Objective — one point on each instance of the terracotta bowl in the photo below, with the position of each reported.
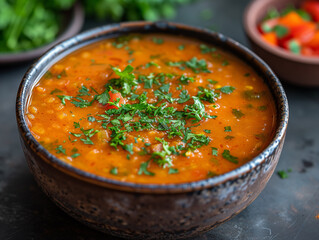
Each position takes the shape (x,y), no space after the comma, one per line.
(72,21)
(296,69)
(138,211)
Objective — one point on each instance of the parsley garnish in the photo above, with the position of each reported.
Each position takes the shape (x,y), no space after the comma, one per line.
(226,155)
(237,113)
(157,40)
(183,96)
(114,171)
(227,89)
(126,81)
(227,129)
(143,169)
(173,171)
(60,149)
(63,98)
(214,151)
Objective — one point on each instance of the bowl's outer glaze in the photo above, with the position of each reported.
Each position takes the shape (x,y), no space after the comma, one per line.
(151,211)
(297,69)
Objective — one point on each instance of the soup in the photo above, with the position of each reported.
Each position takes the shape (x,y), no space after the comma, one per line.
(152,109)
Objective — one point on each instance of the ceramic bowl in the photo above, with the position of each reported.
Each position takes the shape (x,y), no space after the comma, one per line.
(138,211)
(296,69)
(72,21)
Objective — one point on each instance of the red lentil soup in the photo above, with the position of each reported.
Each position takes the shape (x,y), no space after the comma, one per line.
(152,109)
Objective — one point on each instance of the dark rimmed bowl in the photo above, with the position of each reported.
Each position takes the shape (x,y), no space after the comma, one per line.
(71,24)
(138,211)
(296,69)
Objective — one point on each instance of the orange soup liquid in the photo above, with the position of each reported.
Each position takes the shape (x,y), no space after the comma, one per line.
(152,109)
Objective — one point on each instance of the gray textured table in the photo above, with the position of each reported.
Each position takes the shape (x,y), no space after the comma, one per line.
(286,209)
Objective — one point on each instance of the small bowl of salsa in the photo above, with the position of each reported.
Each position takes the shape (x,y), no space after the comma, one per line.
(142,130)
(286,35)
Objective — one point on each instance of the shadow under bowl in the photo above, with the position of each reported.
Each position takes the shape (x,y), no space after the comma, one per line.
(139,211)
(296,69)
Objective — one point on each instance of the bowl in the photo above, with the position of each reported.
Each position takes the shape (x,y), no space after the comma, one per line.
(138,211)
(292,68)
(72,21)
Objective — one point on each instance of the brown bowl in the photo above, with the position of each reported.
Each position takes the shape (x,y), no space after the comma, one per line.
(139,211)
(72,21)
(296,69)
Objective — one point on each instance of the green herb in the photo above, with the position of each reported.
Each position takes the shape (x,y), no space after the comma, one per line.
(225,63)
(226,155)
(185,80)
(228,137)
(183,96)
(272,13)
(262,108)
(55,91)
(282,174)
(181,47)
(237,113)
(197,66)
(76,125)
(114,171)
(227,129)
(143,169)
(84,91)
(75,155)
(81,103)
(165,88)
(294,46)
(63,98)
(149,64)
(281,31)
(60,149)
(214,151)
(227,89)
(205,49)
(91,119)
(211,174)
(252,95)
(207,131)
(173,171)
(62,74)
(103,98)
(125,82)
(129,148)
(208,95)
(157,40)
(304,15)
(212,81)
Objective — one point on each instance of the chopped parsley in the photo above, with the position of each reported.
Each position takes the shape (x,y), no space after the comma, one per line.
(227,89)
(226,155)
(144,169)
(237,113)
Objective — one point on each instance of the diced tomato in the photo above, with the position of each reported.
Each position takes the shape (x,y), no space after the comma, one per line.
(312,7)
(113,98)
(314,42)
(292,19)
(270,38)
(303,32)
(307,51)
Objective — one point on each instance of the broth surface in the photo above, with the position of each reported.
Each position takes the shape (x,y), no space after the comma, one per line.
(152,109)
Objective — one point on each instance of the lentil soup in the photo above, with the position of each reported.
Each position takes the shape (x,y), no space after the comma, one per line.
(152,109)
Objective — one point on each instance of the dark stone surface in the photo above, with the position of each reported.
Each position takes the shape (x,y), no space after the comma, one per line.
(286,209)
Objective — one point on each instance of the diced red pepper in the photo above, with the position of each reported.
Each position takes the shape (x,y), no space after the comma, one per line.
(270,38)
(113,98)
(303,32)
(291,19)
(312,7)
(314,42)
